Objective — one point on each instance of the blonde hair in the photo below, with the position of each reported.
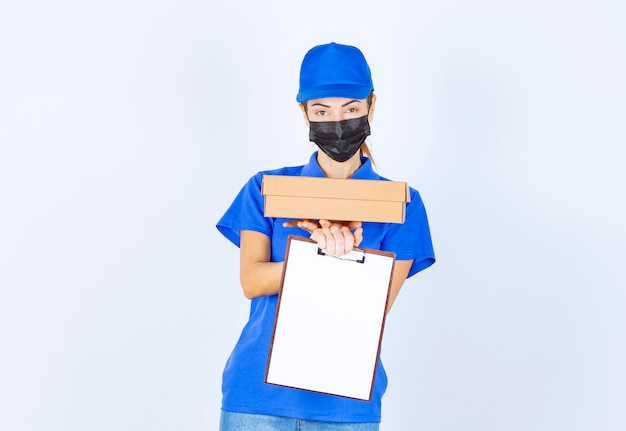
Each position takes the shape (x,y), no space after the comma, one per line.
(365,150)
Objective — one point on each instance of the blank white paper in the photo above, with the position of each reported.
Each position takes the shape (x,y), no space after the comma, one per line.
(330,321)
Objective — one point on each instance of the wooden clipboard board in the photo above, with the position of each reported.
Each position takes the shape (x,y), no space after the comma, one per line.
(329,320)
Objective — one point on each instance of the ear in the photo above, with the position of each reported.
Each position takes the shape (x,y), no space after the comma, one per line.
(304,114)
(370,116)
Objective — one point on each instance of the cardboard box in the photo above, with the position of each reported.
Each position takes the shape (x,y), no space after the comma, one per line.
(335,199)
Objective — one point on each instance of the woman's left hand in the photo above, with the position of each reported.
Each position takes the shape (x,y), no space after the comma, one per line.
(335,238)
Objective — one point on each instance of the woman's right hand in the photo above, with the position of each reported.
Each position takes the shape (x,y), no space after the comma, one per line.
(335,238)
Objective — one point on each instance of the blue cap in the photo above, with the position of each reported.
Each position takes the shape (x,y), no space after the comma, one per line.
(334,70)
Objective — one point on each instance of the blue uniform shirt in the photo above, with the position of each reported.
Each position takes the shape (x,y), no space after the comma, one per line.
(243,384)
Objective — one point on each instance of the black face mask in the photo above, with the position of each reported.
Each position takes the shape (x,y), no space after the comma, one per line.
(340,140)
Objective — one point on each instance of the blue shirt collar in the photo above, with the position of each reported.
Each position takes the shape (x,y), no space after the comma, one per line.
(365,172)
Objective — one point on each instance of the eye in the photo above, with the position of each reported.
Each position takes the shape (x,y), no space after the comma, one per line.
(352,110)
(321,113)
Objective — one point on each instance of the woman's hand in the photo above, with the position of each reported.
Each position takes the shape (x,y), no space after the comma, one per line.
(335,238)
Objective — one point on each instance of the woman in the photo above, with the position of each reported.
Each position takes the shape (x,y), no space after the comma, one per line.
(337,101)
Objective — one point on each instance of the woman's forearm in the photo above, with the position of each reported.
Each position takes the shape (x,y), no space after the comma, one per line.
(258,276)
(261,278)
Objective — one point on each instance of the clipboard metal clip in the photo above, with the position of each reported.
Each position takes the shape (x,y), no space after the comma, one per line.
(357,256)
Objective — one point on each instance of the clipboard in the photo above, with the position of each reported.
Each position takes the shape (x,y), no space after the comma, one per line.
(329,320)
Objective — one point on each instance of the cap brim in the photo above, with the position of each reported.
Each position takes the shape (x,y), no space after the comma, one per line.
(348,91)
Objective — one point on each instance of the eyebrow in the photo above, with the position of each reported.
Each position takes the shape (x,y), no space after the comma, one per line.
(343,106)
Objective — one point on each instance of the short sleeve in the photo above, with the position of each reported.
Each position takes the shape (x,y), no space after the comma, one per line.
(245,213)
(411,239)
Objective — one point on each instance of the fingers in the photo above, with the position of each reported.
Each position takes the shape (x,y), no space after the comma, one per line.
(354,224)
(357,227)
(358,236)
(307,225)
(320,238)
(291,223)
(335,238)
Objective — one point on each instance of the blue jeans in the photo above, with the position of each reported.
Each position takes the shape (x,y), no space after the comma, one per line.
(247,422)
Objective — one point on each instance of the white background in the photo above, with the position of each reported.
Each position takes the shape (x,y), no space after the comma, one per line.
(127,128)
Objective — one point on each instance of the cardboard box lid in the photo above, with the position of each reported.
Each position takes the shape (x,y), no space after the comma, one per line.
(296,207)
(333,188)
